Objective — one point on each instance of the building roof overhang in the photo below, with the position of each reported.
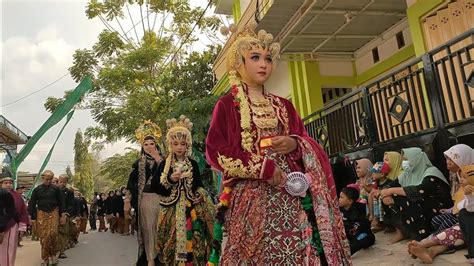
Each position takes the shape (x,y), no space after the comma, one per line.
(338,27)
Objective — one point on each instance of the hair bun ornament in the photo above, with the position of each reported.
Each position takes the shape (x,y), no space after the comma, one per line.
(224,30)
(262,34)
(233,28)
(182,121)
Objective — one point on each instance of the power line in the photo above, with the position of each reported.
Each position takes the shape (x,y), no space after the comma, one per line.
(43,88)
(187,37)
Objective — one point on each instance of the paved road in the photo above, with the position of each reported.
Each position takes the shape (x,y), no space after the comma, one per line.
(100,249)
(104,249)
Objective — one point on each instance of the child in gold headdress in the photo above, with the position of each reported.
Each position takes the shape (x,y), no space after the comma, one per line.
(255,140)
(186,214)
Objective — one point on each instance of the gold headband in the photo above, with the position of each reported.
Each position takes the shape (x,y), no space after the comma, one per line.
(147,129)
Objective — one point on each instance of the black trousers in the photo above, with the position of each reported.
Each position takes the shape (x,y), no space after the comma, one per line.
(466,222)
(93,220)
(359,243)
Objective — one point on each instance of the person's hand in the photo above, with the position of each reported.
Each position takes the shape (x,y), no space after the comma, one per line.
(371,217)
(175,176)
(367,187)
(62,220)
(385,193)
(284,144)
(278,177)
(388,200)
(376,194)
(468,189)
(152,151)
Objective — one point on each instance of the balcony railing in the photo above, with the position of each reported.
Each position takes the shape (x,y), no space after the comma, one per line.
(425,93)
(23,138)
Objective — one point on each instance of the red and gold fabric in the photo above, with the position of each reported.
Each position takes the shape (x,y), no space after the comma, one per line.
(265,224)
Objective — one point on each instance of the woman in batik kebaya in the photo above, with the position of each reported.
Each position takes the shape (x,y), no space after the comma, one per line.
(256,139)
(186,215)
(143,200)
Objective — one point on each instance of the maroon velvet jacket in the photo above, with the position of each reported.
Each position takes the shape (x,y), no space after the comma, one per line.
(21,214)
(224,139)
(224,152)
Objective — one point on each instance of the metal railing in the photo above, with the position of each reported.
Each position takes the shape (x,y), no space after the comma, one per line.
(429,92)
(9,125)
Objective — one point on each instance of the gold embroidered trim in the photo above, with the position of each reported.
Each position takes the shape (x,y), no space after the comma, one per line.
(164,174)
(282,113)
(184,187)
(236,168)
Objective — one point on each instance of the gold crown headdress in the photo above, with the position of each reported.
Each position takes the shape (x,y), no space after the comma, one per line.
(179,129)
(246,40)
(147,129)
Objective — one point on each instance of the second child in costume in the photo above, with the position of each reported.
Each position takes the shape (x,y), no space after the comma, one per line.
(186,215)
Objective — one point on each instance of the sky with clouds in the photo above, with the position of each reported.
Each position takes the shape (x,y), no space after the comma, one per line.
(38,40)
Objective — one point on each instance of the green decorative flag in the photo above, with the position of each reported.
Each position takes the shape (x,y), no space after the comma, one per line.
(48,157)
(58,115)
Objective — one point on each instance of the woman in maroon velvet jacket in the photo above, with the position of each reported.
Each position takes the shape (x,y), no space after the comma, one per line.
(256,139)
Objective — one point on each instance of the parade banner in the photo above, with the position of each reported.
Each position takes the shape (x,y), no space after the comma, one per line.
(48,157)
(58,114)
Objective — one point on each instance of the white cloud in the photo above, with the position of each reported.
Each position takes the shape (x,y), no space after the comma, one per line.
(30,63)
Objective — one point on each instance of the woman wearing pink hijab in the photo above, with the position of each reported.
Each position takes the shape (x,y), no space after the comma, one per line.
(363,174)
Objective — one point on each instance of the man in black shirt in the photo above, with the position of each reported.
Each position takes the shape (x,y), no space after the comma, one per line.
(83,212)
(65,229)
(47,205)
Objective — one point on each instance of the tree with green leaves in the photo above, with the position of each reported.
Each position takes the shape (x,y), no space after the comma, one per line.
(83,163)
(145,73)
(117,168)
